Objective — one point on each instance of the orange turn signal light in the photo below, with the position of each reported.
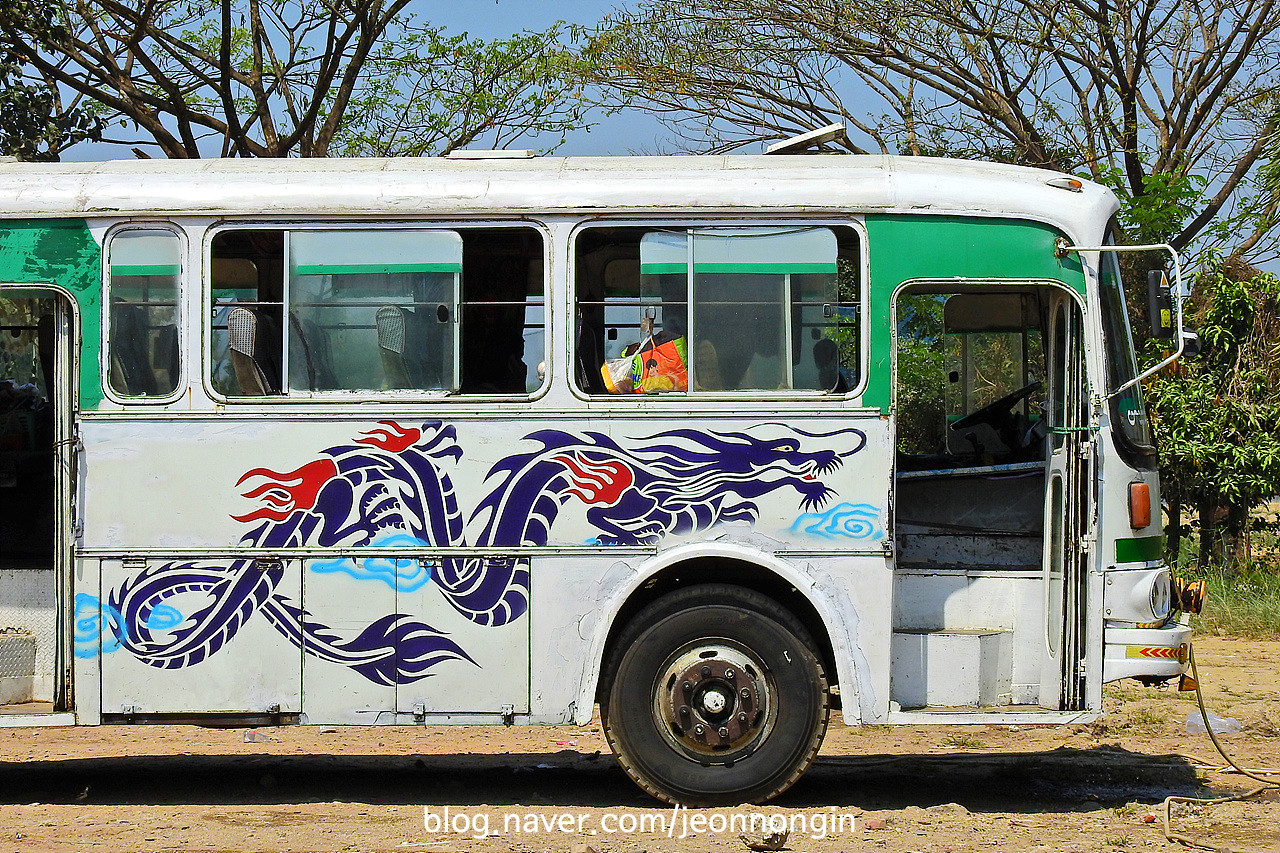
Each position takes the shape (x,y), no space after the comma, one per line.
(1139,505)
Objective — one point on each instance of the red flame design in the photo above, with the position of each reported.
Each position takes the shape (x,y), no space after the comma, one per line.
(286,493)
(393,438)
(600,482)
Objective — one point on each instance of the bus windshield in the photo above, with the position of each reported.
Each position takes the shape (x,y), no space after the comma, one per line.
(1127,408)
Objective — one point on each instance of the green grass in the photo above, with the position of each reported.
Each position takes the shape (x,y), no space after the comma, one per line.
(963,741)
(1146,721)
(1244,603)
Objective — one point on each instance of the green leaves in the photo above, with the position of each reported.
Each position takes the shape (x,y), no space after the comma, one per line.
(278,78)
(1159,211)
(1217,415)
(426,93)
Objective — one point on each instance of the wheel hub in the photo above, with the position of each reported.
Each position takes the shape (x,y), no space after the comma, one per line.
(715,699)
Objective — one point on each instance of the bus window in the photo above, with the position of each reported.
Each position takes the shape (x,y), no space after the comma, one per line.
(743,309)
(142,295)
(971,369)
(427,310)
(503,310)
(373,309)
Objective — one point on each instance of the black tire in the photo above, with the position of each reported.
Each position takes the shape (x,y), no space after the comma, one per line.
(717,697)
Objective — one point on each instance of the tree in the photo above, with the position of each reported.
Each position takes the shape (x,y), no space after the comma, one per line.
(1161,99)
(1217,416)
(34,122)
(274,78)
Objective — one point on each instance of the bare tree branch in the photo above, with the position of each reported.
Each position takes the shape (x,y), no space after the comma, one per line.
(1154,97)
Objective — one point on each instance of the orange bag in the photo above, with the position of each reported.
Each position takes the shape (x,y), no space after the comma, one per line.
(657,365)
(662,365)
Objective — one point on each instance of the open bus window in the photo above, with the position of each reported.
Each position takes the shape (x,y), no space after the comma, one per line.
(970,378)
(142,296)
(744,309)
(400,310)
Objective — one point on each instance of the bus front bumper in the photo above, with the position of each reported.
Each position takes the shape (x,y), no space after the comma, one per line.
(1147,652)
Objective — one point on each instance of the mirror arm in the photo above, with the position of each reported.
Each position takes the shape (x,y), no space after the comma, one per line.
(1062,248)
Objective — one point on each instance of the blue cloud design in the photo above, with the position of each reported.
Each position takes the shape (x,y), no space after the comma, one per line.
(97,626)
(163,617)
(851,521)
(405,575)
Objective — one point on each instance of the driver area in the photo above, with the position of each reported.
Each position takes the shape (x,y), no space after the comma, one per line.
(971,429)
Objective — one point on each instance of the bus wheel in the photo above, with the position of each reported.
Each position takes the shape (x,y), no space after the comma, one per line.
(717,697)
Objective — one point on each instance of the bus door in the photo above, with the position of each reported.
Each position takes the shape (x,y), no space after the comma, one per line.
(1068,500)
(991,495)
(36,463)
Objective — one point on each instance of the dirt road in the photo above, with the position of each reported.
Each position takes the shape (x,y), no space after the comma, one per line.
(1076,788)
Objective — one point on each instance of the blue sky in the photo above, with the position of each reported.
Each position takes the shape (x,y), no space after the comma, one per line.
(490,18)
(625,133)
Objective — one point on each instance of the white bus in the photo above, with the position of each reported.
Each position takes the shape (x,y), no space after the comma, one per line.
(718,444)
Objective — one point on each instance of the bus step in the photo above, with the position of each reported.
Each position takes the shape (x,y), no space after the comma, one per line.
(965,667)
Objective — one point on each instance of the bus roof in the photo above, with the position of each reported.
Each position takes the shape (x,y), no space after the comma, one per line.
(746,184)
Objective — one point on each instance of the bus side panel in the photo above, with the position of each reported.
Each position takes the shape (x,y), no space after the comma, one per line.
(179,636)
(495,492)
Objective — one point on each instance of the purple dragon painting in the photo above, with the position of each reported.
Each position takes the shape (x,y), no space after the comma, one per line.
(390,487)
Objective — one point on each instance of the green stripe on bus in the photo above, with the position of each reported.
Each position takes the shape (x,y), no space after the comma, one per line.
(380,269)
(62,251)
(145,269)
(749,269)
(1142,550)
(906,246)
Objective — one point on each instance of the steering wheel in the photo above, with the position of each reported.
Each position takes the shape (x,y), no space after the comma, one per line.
(997,411)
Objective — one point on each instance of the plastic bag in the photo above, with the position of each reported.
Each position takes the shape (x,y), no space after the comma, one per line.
(618,374)
(1221,725)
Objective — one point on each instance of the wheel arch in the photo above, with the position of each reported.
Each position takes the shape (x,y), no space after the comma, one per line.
(738,566)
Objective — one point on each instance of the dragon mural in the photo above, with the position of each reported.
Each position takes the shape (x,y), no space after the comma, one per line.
(391,486)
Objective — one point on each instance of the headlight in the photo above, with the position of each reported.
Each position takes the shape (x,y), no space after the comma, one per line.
(1161,596)
(1140,596)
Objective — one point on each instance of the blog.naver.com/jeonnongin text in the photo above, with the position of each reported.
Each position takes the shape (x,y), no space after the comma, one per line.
(678,822)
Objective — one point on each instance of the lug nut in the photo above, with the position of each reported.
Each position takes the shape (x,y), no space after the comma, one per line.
(724,732)
(742,718)
(706,672)
(686,685)
(728,673)
(745,694)
(698,730)
(684,710)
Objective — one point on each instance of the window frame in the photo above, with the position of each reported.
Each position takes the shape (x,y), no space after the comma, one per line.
(335,396)
(855,224)
(180,308)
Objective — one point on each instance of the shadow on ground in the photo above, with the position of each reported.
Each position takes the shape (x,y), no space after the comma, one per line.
(988,781)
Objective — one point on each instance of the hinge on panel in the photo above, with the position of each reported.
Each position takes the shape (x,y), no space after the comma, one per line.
(508,715)
(268,564)
(419,712)
(134,563)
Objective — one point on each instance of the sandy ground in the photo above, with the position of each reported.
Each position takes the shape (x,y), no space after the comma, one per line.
(921,788)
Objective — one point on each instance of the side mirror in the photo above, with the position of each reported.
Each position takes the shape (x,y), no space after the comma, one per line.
(1159,305)
(1191,345)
